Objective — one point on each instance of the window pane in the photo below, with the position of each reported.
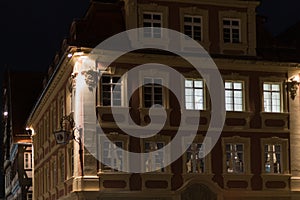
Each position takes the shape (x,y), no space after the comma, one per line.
(157,17)
(187,19)
(228,85)
(188,83)
(199,84)
(226,22)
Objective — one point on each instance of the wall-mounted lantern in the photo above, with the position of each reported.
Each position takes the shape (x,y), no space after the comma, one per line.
(66,133)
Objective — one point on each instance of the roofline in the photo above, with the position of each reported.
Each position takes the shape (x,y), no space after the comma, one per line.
(68,50)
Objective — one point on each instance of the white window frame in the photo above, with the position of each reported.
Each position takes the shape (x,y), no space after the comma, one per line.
(161,42)
(195,12)
(243,45)
(147,163)
(203,104)
(28,160)
(152,86)
(124,160)
(284,158)
(246,154)
(233,96)
(232,27)
(152,21)
(199,139)
(165,81)
(112,85)
(193,25)
(271,110)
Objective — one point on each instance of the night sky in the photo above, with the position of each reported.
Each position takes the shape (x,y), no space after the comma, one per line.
(32,31)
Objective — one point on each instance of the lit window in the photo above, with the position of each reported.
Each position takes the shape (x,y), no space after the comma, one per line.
(272,97)
(231,31)
(194,94)
(29,196)
(192,27)
(153,92)
(275,155)
(234,98)
(152,21)
(27,160)
(195,162)
(111,90)
(272,158)
(234,157)
(156,161)
(112,155)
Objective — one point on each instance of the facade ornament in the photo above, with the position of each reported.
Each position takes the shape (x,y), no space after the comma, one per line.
(91,78)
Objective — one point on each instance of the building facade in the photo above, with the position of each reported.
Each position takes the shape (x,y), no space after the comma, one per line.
(256,154)
(17,143)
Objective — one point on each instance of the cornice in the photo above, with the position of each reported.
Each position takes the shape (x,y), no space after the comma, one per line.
(48,92)
(228,3)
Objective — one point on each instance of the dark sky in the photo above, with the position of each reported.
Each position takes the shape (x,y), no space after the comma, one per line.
(31,31)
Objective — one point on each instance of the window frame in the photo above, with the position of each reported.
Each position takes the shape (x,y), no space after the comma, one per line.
(165,81)
(112,84)
(232,81)
(152,86)
(153,21)
(195,11)
(231,27)
(243,45)
(29,163)
(161,42)
(193,24)
(281,109)
(246,154)
(156,139)
(284,155)
(28,194)
(204,107)
(199,139)
(114,138)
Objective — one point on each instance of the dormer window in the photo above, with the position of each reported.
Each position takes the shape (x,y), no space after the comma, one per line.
(231,30)
(192,27)
(152,20)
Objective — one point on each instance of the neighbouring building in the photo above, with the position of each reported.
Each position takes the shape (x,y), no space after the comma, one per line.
(256,155)
(20,91)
